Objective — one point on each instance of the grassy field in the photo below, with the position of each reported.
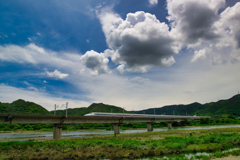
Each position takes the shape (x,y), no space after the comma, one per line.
(129,146)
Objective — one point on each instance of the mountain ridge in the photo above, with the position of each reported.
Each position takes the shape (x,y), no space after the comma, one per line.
(229,106)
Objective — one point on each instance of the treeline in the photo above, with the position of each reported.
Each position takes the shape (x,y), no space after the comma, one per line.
(95,107)
(23,107)
(109,126)
(219,109)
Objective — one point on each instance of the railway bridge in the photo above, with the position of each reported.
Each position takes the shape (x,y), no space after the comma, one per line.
(115,119)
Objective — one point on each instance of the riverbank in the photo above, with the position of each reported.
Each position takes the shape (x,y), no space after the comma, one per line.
(25,136)
(92,129)
(137,145)
(228,158)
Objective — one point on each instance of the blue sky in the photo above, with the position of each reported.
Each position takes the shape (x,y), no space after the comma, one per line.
(135,54)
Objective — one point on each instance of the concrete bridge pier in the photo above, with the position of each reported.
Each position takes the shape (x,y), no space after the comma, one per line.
(169,125)
(116,128)
(149,127)
(57,131)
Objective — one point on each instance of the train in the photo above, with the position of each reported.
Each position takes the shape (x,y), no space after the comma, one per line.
(101,114)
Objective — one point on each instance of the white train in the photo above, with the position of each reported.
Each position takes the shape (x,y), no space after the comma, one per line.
(101,114)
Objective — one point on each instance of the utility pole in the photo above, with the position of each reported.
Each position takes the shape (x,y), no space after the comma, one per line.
(111,110)
(123,112)
(66,108)
(173,112)
(154,111)
(55,106)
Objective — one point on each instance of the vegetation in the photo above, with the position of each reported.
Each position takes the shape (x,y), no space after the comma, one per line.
(181,109)
(95,107)
(222,108)
(216,109)
(230,107)
(108,126)
(136,145)
(23,107)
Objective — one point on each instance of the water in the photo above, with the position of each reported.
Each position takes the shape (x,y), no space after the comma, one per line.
(71,134)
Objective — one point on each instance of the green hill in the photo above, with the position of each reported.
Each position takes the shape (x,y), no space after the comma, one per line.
(223,107)
(95,107)
(23,107)
(219,108)
(176,109)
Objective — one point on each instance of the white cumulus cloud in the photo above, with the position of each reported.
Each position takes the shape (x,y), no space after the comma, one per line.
(138,42)
(57,74)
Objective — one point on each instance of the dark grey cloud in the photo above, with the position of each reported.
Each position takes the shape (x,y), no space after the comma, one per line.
(93,62)
(136,52)
(237,38)
(97,62)
(197,21)
(192,21)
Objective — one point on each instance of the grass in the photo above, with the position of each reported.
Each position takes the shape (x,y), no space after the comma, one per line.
(137,145)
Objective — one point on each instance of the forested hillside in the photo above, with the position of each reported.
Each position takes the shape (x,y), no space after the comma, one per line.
(189,109)
(23,107)
(95,107)
(220,108)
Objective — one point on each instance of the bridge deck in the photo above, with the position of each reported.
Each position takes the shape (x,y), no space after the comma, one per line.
(41,119)
(58,121)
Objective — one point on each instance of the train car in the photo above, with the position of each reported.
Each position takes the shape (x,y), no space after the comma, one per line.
(102,114)
(119,114)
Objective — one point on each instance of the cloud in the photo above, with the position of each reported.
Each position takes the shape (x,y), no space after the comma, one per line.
(201,54)
(226,48)
(237,37)
(35,55)
(138,42)
(57,74)
(193,20)
(121,68)
(153,2)
(209,33)
(141,41)
(205,81)
(228,25)
(96,62)
(10,94)
(30,87)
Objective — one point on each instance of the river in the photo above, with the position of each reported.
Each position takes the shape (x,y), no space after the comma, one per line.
(70,134)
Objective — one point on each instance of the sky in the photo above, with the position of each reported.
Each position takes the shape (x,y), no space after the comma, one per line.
(135,54)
